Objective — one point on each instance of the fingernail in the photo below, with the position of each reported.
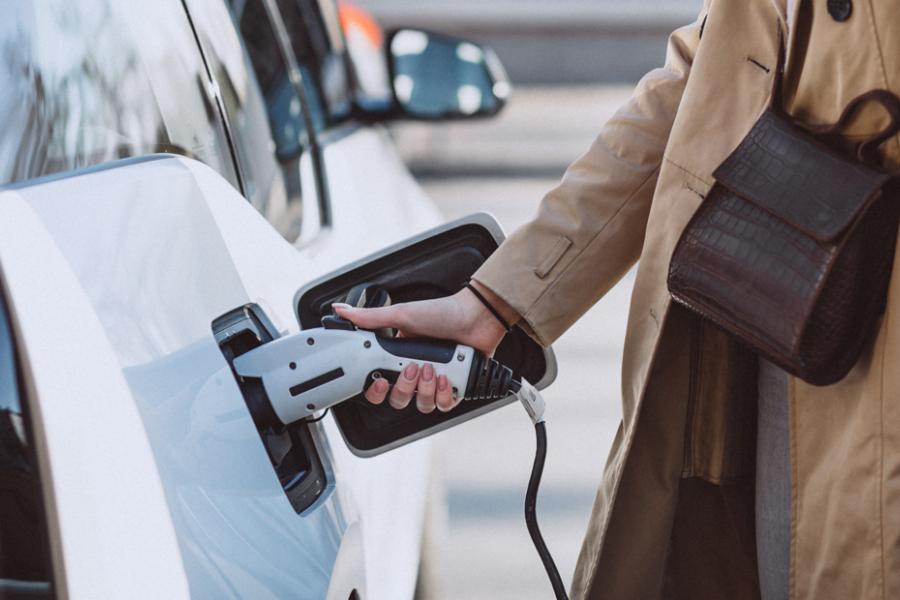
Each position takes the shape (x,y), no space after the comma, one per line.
(443,383)
(427,372)
(381,386)
(340,305)
(400,403)
(411,370)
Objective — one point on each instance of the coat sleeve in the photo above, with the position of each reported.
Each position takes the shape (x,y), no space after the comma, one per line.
(589,230)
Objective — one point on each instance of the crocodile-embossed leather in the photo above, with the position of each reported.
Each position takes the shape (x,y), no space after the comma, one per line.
(784,170)
(791,250)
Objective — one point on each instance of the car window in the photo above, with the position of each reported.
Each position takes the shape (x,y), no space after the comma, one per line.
(287,125)
(24,553)
(317,41)
(95,80)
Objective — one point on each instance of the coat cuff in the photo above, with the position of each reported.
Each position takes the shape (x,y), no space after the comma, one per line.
(521,283)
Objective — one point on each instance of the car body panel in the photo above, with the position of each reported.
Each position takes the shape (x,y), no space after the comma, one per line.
(110,527)
(157,269)
(374,199)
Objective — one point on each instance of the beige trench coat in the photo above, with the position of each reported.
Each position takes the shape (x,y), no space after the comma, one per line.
(673,516)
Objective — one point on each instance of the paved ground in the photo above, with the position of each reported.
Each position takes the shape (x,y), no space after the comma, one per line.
(504,167)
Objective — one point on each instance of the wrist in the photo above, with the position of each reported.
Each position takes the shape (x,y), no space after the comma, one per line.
(478,323)
(506,312)
(477,326)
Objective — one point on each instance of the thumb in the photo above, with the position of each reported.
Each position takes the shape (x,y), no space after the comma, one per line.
(369,318)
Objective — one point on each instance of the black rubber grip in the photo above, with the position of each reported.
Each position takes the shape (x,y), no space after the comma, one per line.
(435,351)
(368,295)
(489,379)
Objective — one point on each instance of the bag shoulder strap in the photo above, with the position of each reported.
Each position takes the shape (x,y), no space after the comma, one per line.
(866,150)
(777,101)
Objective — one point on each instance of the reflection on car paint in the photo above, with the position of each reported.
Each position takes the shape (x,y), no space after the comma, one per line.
(92,81)
(237,532)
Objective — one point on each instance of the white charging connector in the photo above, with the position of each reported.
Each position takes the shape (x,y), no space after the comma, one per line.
(533,402)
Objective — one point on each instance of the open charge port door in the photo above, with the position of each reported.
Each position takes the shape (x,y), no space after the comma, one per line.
(292,449)
(433,264)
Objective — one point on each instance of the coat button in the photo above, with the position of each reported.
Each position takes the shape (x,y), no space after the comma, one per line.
(840,10)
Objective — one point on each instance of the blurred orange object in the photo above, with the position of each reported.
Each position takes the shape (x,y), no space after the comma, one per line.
(354,17)
(365,45)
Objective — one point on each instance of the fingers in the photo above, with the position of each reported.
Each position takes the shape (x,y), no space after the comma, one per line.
(426,390)
(377,392)
(370,318)
(405,386)
(430,389)
(444,399)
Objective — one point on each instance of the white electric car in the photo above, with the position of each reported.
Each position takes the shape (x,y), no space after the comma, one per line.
(185,181)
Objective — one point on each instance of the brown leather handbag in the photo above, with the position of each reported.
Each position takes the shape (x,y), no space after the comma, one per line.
(792,249)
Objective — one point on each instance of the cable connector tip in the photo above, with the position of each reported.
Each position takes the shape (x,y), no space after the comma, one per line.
(532,400)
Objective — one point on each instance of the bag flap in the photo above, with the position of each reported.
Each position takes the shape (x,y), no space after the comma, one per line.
(786,171)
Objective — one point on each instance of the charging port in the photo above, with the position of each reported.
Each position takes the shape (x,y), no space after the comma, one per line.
(291,449)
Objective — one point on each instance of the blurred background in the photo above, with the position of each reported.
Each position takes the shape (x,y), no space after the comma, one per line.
(572,63)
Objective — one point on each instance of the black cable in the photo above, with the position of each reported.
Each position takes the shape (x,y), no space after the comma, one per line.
(319,418)
(531,515)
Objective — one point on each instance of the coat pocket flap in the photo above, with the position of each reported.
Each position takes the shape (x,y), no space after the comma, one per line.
(553,257)
(784,170)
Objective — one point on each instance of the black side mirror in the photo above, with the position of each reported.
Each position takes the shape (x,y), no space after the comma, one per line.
(440,77)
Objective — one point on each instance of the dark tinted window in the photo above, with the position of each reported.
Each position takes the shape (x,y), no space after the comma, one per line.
(318,44)
(24,556)
(90,81)
(282,100)
(289,135)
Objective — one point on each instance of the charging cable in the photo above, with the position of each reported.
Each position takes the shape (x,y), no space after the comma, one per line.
(334,358)
(533,402)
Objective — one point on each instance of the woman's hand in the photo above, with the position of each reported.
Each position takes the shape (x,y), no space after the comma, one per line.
(460,317)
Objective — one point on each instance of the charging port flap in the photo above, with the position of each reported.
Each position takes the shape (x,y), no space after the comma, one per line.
(433,264)
(292,449)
